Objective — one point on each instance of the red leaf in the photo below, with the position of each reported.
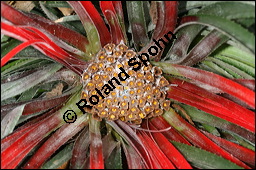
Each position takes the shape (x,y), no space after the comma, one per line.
(244,154)
(88,14)
(54,142)
(157,156)
(117,35)
(80,148)
(20,148)
(172,134)
(197,138)
(19,18)
(224,84)
(54,51)
(167,12)
(169,150)
(212,103)
(96,153)
(17,49)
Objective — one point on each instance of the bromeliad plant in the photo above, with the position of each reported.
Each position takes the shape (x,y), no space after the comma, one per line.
(209,120)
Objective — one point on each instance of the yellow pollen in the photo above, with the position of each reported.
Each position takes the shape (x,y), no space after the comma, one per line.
(130,116)
(101,65)
(132,92)
(103,113)
(140,75)
(131,83)
(113,109)
(86,76)
(96,77)
(122,112)
(90,84)
(109,69)
(105,76)
(100,84)
(112,116)
(110,59)
(130,72)
(141,115)
(117,53)
(122,74)
(115,74)
(108,101)
(148,88)
(133,109)
(101,57)
(136,65)
(139,84)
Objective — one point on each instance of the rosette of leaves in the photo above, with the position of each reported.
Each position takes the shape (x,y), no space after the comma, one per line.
(46,45)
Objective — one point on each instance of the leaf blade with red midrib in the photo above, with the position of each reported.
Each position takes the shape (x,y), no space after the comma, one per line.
(172,153)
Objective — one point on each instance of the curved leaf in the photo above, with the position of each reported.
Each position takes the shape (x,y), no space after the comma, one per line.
(202,159)
(231,29)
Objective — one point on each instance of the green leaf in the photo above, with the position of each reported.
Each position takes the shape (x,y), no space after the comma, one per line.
(16,87)
(206,118)
(248,69)
(60,158)
(19,66)
(211,66)
(211,129)
(57,4)
(229,28)
(10,120)
(229,10)
(8,46)
(137,21)
(114,161)
(239,55)
(234,71)
(203,159)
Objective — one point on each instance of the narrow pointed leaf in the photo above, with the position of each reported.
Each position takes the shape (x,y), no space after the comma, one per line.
(55,141)
(224,84)
(202,159)
(231,29)
(172,153)
(137,21)
(244,154)
(197,138)
(96,153)
(117,35)
(9,122)
(59,159)
(80,148)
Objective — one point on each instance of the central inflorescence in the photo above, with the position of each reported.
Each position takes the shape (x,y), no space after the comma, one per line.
(122,92)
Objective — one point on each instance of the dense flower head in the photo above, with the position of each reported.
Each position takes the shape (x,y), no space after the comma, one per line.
(123,93)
